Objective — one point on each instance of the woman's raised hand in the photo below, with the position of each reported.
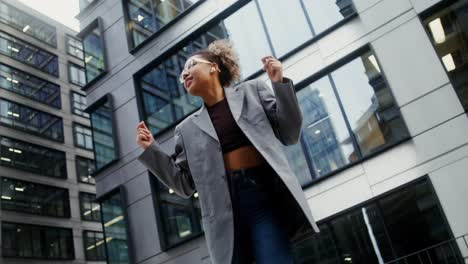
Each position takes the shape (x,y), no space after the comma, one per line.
(144,136)
(273,68)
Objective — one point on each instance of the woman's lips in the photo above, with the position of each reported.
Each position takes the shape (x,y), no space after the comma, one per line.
(188,81)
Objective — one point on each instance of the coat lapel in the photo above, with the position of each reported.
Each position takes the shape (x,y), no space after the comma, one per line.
(235,98)
(203,121)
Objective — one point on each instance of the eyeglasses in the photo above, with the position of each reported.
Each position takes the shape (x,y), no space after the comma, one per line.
(188,65)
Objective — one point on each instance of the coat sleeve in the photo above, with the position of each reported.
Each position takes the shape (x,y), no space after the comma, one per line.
(172,170)
(282,109)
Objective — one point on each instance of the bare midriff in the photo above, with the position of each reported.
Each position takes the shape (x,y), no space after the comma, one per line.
(243,158)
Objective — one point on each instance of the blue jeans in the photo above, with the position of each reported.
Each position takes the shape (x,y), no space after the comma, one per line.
(257,234)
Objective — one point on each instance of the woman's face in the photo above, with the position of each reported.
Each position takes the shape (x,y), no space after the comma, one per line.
(197,75)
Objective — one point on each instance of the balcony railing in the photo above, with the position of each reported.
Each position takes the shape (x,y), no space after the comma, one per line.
(453,251)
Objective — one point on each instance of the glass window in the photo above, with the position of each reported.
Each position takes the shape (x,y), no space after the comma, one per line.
(40,242)
(115,229)
(447,29)
(28,54)
(32,158)
(83,136)
(34,198)
(74,47)
(94,246)
(30,86)
(79,104)
(28,24)
(89,207)
(390,227)
(85,169)
(30,120)
(165,101)
(76,74)
(94,51)
(149,16)
(349,114)
(105,148)
(180,218)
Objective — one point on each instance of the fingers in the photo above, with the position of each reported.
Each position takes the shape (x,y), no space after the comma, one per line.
(142,125)
(270,64)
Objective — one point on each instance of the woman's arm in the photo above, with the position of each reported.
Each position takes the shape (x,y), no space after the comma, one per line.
(282,109)
(173,171)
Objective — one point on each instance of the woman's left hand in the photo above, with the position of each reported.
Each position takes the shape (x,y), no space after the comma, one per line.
(273,68)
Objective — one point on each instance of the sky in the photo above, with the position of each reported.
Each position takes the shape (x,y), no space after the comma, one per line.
(64,11)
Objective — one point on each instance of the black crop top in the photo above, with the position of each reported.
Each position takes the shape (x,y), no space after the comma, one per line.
(229,133)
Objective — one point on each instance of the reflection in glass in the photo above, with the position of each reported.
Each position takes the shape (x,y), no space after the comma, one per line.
(103,134)
(75,47)
(406,221)
(79,104)
(181,217)
(83,136)
(32,158)
(149,16)
(28,54)
(115,229)
(448,30)
(25,84)
(84,170)
(41,242)
(34,198)
(324,14)
(28,24)
(369,105)
(93,54)
(89,207)
(280,29)
(94,246)
(30,120)
(76,74)
(324,130)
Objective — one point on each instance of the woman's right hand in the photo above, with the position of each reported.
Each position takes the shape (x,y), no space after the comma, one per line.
(144,136)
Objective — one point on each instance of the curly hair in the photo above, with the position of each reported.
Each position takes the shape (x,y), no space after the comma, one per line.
(223,54)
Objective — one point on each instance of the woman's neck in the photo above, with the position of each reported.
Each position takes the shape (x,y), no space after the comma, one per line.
(214,94)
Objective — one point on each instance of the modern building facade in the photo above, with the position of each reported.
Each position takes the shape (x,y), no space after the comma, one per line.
(383,153)
(48,203)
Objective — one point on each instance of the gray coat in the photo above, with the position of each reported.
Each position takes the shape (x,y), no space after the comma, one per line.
(269,120)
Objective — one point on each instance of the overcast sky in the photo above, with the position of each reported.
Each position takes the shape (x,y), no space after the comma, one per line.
(64,11)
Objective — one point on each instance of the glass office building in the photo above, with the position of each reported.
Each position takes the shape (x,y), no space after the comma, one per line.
(48,207)
(383,149)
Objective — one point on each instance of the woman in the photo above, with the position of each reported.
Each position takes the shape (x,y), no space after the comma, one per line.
(231,152)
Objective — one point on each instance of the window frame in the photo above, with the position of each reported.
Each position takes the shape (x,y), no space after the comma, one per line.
(27,131)
(77,157)
(233,8)
(95,24)
(84,244)
(35,19)
(440,6)
(75,143)
(121,191)
(128,33)
(67,212)
(100,102)
(67,37)
(72,102)
(53,151)
(162,233)
(38,78)
(329,70)
(81,196)
(70,80)
(43,227)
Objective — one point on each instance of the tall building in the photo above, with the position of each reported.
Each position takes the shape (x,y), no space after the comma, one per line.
(383,152)
(47,200)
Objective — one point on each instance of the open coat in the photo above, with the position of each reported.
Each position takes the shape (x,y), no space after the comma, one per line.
(270,118)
